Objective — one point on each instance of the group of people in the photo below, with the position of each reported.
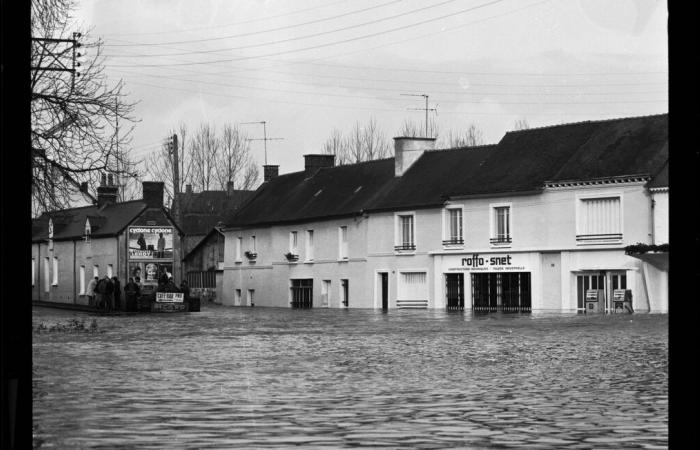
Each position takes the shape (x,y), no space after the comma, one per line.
(106,293)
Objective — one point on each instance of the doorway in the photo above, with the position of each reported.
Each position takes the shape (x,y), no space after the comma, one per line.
(326,294)
(345,292)
(587,282)
(455,291)
(302,293)
(384,289)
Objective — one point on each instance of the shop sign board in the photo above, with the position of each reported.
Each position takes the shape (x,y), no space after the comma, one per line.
(489,263)
(150,242)
(170,297)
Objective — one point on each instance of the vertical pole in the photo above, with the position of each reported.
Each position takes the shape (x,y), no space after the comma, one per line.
(426,115)
(265,140)
(176,167)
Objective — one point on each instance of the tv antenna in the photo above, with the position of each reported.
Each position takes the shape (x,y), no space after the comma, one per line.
(264,138)
(426,109)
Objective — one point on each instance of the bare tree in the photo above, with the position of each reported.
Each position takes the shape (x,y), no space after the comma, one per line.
(521,124)
(235,163)
(413,129)
(205,154)
(471,137)
(364,143)
(74,116)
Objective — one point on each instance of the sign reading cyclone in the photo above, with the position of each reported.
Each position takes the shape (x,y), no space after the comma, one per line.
(150,242)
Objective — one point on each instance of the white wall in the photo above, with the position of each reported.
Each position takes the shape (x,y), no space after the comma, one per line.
(660,199)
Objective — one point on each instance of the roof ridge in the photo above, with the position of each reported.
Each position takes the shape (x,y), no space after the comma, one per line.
(466,147)
(586,121)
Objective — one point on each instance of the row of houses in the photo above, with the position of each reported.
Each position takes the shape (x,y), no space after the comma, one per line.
(538,221)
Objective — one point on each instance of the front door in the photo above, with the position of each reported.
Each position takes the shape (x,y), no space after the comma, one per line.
(455,291)
(385,290)
(589,282)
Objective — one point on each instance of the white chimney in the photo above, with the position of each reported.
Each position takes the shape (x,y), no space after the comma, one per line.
(407,150)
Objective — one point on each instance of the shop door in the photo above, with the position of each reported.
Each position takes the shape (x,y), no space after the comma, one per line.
(501,291)
(455,291)
(587,282)
(302,293)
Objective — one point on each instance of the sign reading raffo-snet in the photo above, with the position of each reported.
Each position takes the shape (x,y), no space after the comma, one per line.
(488,263)
(170,297)
(150,242)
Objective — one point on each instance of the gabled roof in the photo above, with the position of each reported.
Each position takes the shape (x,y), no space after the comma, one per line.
(199,212)
(521,162)
(70,223)
(213,231)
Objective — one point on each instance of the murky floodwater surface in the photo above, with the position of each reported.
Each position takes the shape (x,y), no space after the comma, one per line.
(261,377)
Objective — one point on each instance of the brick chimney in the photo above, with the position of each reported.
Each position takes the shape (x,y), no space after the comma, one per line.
(229,188)
(270,172)
(188,189)
(153,193)
(407,150)
(314,162)
(106,193)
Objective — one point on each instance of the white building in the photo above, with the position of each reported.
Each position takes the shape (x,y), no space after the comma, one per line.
(538,221)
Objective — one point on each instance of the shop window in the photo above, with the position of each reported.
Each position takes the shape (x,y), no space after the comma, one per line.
(500,224)
(599,220)
(405,232)
(55,272)
(343,242)
(309,245)
(82,280)
(453,226)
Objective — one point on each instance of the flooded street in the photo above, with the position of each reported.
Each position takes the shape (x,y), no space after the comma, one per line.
(262,377)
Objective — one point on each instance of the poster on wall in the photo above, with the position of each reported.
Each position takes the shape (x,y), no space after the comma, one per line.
(149,272)
(150,242)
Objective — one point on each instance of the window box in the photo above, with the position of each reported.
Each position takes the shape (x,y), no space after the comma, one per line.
(250,255)
(291,257)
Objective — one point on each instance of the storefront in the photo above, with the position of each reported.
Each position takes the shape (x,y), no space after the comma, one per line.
(488,281)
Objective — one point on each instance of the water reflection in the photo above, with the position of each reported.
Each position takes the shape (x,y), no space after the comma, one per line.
(257,377)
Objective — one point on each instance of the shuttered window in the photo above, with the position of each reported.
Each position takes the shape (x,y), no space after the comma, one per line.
(413,290)
(600,219)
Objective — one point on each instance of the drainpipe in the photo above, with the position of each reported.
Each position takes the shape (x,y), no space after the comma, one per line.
(75,294)
(653,237)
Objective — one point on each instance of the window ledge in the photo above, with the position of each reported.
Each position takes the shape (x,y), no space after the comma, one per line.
(453,247)
(343,259)
(309,261)
(405,253)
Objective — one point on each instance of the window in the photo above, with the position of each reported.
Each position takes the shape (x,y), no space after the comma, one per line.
(302,292)
(309,245)
(405,232)
(345,293)
(55,271)
(343,243)
(453,227)
(500,225)
(239,248)
(599,220)
(88,231)
(293,243)
(95,271)
(252,244)
(412,290)
(33,269)
(237,298)
(47,274)
(82,280)
(109,270)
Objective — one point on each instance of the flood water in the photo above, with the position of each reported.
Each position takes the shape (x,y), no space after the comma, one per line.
(266,377)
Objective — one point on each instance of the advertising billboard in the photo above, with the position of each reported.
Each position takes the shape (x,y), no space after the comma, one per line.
(150,242)
(148,272)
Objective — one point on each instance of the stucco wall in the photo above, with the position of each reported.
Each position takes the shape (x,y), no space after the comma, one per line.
(660,217)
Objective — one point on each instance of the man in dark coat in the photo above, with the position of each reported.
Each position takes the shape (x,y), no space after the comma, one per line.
(132,292)
(109,295)
(117,293)
(100,293)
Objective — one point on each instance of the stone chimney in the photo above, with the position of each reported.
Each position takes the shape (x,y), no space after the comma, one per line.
(407,150)
(314,162)
(188,189)
(153,194)
(229,188)
(270,172)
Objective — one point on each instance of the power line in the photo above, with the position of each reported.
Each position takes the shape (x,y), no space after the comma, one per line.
(252,33)
(261,19)
(328,44)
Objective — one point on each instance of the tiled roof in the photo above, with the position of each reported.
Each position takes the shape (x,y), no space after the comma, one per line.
(201,211)
(659,180)
(522,161)
(70,223)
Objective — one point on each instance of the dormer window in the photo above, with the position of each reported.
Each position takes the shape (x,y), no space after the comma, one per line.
(50,228)
(88,231)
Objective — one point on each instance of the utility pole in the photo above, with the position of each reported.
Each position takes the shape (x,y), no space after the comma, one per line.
(176,167)
(265,138)
(426,109)
(54,50)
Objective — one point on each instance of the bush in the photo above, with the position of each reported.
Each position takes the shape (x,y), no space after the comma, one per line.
(639,248)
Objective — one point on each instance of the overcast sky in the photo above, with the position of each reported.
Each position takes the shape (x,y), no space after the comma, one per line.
(309,66)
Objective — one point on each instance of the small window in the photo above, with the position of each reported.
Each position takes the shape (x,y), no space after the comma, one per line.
(405,233)
(109,270)
(293,243)
(453,227)
(47,274)
(343,242)
(309,245)
(82,280)
(55,271)
(239,248)
(252,244)
(33,269)
(501,226)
